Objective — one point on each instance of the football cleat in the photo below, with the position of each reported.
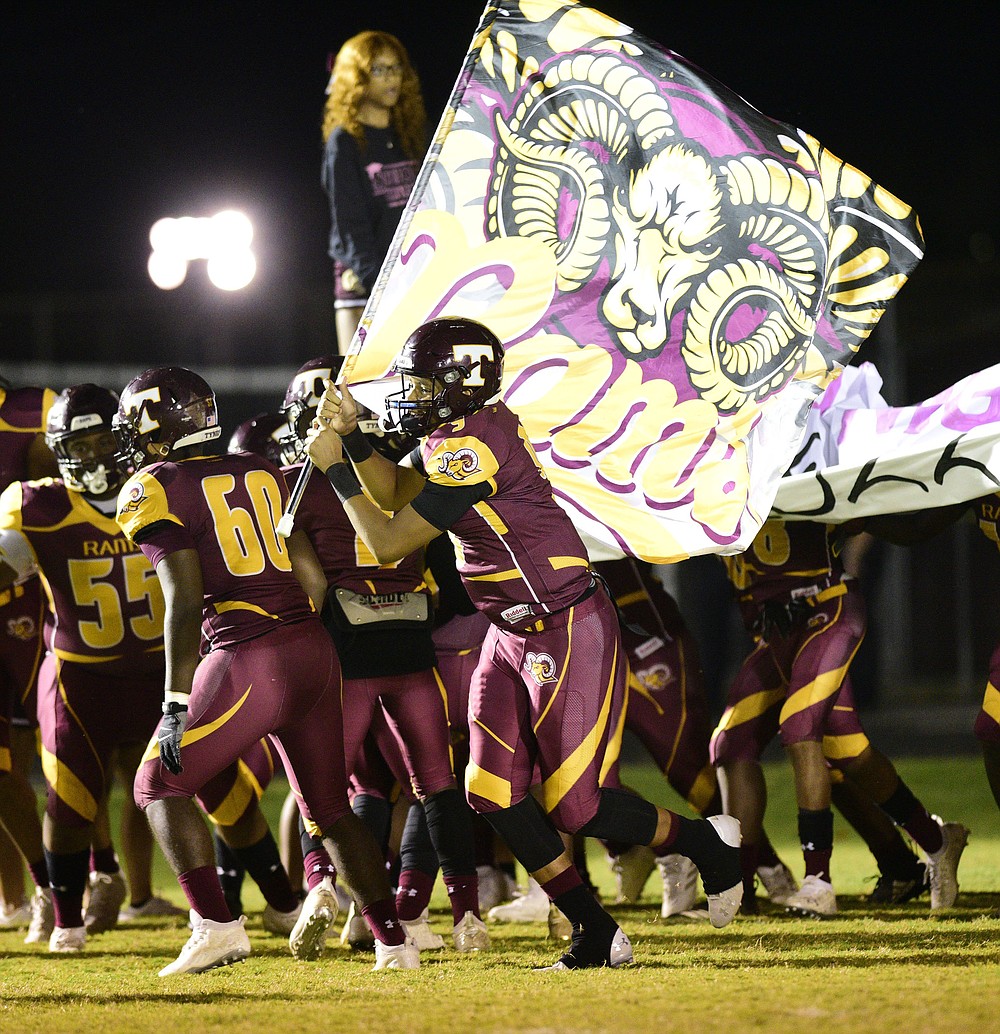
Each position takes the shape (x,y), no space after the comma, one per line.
(15,916)
(210,946)
(280,923)
(560,928)
(778,882)
(357,933)
(680,884)
(68,939)
(815,898)
(495,887)
(724,904)
(470,934)
(307,939)
(942,866)
(582,956)
(420,932)
(107,895)
(155,906)
(893,890)
(631,870)
(43,917)
(532,907)
(396,956)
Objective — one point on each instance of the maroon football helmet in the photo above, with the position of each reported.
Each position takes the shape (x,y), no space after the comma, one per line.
(168,405)
(85,411)
(302,400)
(263,434)
(463,360)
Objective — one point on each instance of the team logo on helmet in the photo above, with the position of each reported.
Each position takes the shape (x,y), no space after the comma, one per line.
(658,677)
(460,464)
(541,667)
(22,627)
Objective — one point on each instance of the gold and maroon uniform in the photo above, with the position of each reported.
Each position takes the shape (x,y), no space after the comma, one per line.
(270,668)
(23,412)
(987,510)
(101,681)
(808,620)
(550,686)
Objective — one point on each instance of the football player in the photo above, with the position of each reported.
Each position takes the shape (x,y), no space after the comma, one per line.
(207,525)
(380,617)
(808,619)
(550,686)
(23,455)
(98,682)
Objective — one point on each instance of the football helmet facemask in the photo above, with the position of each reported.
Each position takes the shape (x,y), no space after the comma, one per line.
(462,359)
(78,431)
(168,406)
(302,401)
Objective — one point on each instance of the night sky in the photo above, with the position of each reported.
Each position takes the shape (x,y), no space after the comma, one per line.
(118,114)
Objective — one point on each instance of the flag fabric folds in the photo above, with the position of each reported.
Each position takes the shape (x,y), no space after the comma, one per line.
(676,277)
(860,457)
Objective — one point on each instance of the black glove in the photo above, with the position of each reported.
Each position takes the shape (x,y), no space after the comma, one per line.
(169,735)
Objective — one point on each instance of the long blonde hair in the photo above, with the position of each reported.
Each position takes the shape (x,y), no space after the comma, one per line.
(351,75)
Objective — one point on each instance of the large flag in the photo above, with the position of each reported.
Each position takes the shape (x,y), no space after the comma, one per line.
(860,457)
(676,276)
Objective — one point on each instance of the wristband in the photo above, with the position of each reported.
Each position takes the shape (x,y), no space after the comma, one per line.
(345,484)
(172,697)
(357,446)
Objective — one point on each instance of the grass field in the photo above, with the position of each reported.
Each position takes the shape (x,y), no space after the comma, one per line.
(866,970)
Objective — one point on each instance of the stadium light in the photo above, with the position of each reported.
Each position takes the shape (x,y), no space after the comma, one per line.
(223,241)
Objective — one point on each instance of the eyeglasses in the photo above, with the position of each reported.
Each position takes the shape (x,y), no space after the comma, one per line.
(384,71)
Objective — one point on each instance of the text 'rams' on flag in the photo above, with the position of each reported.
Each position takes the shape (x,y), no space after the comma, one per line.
(676,276)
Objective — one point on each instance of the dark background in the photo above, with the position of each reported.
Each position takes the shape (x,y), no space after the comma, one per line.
(115,115)
(119,114)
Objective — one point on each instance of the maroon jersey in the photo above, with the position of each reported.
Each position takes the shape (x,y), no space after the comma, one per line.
(105,602)
(346,560)
(518,553)
(22,418)
(226,508)
(788,560)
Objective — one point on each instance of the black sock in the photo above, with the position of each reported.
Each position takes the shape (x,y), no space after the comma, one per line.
(449,823)
(263,863)
(231,874)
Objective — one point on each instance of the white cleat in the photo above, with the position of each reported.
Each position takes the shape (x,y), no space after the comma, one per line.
(210,945)
(420,932)
(280,923)
(495,887)
(724,905)
(68,939)
(532,907)
(357,934)
(43,917)
(157,907)
(680,884)
(307,940)
(470,934)
(560,928)
(815,898)
(778,882)
(942,866)
(15,916)
(396,956)
(106,897)
(631,870)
